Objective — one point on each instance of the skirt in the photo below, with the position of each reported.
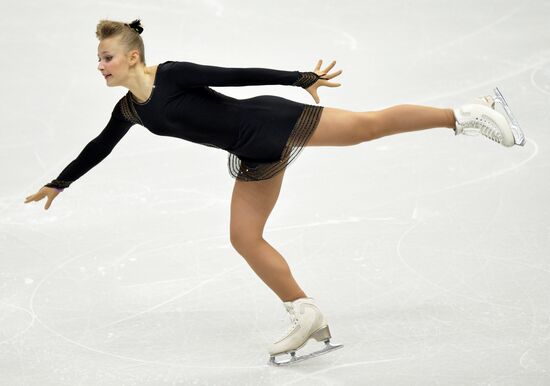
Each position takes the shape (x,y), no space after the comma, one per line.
(249,169)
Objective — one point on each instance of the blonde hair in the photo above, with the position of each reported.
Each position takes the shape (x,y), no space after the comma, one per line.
(129,34)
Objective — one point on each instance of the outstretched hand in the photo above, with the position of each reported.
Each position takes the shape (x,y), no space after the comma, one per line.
(323,80)
(45,191)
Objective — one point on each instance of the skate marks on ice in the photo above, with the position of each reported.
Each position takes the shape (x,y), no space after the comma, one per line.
(491,175)
(313,374)
(418,220)
(536,358)
(438,286)
(540,79)
(490,83)
(51,276)
(460,39)
(11,316)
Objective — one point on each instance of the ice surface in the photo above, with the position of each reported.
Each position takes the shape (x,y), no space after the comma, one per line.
(428,253)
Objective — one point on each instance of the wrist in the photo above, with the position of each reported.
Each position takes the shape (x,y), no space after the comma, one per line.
(306,79)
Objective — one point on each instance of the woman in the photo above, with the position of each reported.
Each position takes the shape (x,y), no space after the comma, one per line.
(262,136)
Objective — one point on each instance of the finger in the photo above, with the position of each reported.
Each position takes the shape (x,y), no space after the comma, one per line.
(48,202)
(30,198)
(315,96)
(330,66)
(331,84)
(318,65)
(330,76)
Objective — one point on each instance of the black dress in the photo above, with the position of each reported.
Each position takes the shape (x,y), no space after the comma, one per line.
(262,134)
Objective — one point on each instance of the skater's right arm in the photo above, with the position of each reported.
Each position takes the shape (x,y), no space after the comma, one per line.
(92,154)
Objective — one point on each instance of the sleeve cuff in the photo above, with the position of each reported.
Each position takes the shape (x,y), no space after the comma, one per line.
(58,184)
(306,79)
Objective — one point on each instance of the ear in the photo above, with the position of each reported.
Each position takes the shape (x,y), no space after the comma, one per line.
(133,56)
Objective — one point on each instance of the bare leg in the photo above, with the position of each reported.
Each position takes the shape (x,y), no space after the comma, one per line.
(253,201)
(404,118)
(251,204)
(339,127)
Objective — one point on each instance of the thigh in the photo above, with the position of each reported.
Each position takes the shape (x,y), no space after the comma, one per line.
(251,204)
(339,127)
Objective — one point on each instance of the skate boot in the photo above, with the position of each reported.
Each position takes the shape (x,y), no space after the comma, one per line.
(307,322)
(481,117)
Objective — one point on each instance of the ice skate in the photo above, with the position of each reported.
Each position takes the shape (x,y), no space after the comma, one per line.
(481,117)
(307,322)
(519,137)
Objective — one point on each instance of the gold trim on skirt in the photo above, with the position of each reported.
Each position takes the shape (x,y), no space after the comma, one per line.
(300,134)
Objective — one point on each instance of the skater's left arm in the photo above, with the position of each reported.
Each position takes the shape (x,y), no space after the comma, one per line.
(188,74)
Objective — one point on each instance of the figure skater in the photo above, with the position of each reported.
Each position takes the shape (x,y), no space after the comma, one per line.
(262,136)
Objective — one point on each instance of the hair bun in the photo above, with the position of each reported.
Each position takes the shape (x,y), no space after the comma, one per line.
(136,25)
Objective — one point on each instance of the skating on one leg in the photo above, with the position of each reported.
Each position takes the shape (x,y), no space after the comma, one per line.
(339,127)
(253,201)
(251,204)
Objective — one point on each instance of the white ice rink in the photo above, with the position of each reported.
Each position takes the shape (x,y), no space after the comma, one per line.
(428,253)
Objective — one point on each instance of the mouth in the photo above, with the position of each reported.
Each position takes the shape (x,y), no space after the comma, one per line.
(106,76)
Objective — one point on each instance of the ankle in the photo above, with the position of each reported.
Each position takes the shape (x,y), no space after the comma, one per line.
(451,119)
(294,297)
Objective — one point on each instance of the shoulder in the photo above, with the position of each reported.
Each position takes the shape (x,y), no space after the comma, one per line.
(177,72)
(176,65)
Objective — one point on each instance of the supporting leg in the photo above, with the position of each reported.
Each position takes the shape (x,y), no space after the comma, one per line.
(251,204)
(271,267)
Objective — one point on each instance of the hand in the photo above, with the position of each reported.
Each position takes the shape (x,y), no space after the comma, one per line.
(45,191)
(323,81)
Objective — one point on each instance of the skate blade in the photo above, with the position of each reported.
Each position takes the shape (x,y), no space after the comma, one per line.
(293,358)
(519,137)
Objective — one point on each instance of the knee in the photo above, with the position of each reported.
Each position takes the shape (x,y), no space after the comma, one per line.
(243,242)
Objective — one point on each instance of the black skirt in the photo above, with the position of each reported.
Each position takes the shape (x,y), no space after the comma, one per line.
(247,168)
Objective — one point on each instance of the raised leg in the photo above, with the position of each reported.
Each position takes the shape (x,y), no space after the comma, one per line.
(251,204)
(339,127)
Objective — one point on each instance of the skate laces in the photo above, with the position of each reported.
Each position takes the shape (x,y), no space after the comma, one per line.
(293,323)
(482,126)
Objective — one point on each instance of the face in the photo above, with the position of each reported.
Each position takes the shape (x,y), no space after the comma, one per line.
(114,62)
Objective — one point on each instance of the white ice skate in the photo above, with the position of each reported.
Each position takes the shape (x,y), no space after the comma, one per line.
(481,117)
(307,322)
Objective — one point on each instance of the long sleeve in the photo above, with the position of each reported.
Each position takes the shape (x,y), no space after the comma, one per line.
(95,151)
(188,74)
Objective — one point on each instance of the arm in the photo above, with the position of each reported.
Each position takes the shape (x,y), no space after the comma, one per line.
(187,74)
(95,151)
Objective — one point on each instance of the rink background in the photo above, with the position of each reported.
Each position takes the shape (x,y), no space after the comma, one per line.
(427,253)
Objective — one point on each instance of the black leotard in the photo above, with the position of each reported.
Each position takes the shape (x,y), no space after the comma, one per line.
(262,134)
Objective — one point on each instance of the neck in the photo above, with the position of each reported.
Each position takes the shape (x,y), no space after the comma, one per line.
(140,82)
